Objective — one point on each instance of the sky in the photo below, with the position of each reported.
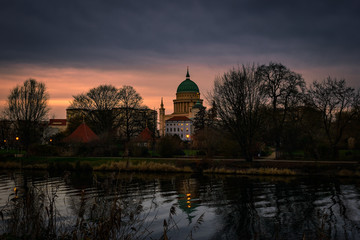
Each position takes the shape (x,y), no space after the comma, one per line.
(75,45)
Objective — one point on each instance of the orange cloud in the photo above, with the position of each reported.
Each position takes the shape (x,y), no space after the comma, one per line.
(63,83)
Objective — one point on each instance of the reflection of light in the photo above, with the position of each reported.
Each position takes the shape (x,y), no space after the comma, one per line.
(14,189)
(188,194)
(189,206)
(188,198)
(188,202)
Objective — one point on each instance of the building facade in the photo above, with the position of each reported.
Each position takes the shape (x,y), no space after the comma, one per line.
(181,126)
(186,104)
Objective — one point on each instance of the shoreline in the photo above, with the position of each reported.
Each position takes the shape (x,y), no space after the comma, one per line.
(259,167)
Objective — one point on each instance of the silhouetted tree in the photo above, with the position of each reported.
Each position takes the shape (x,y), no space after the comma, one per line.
(97,107)
(200,119)
(27,107)
(238,97)
(130,102)
(281,85)
(338,106)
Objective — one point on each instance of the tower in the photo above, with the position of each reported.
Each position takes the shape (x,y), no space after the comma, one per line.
(162,118)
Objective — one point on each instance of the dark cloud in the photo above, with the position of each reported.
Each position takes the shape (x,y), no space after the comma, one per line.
(124,33)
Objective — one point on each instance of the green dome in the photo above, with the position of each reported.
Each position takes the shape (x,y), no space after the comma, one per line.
(198,105)
(187,86)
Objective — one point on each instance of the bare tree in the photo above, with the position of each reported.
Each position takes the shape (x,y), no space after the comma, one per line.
(338,106)
(97,106)
(238,98)
(281,87)
(130,104)
(27,107)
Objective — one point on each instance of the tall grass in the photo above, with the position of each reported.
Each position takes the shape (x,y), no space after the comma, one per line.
(31,213)
(252,171)
(141,167)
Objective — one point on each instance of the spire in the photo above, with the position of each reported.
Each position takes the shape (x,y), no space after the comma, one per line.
(187,74)
(162,104)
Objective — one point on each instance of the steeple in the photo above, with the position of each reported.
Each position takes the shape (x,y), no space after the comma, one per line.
(187,73)
(162,118)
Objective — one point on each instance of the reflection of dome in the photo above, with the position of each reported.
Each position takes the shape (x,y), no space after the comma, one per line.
(187,85)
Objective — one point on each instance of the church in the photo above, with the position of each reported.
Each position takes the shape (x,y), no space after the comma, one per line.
(186,105)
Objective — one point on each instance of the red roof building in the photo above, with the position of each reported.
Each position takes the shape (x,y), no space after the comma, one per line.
(82,134)
(145,138)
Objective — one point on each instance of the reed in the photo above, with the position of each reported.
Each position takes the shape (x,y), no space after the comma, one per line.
(10,165)
(253,171)
(141,167)
(31,213)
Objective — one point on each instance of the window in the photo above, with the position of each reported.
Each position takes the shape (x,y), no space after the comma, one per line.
(187,129)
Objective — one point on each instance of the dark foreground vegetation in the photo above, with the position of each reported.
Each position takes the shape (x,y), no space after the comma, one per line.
(31,213)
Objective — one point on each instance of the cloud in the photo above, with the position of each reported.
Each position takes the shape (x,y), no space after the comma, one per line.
(148,44)
(124,33)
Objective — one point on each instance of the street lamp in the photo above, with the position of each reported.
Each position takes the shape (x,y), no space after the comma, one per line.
(17,140)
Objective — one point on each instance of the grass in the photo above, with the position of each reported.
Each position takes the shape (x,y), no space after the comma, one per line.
(253,171)
(31,213)
(348,173)
(276,168)
(141,167)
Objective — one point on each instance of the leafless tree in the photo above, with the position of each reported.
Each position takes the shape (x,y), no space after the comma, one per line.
(97,106)
(281,86)
(130,104)
(27,107)
(238,98)
(338,105)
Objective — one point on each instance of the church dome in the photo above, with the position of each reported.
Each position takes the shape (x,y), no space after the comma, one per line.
(187,85)
(198,105)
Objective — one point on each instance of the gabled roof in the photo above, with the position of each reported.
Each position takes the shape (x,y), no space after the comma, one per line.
(82,134)
(179,118)
(145,136)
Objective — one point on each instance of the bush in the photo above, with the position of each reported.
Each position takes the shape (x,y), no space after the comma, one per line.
(169,146)
(42,150)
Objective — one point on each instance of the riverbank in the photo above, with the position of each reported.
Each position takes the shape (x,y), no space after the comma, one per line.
(189,165)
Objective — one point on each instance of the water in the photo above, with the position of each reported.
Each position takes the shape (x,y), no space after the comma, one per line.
(228,207)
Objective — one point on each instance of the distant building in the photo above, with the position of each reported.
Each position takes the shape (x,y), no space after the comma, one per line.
(59,124)
(54,127)
(82,134)
(181,126)
(186,105)
(141,118)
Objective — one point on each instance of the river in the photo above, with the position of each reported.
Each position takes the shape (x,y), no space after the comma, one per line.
(198,206)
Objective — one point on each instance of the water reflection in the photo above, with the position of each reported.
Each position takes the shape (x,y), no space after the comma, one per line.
(231,207)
